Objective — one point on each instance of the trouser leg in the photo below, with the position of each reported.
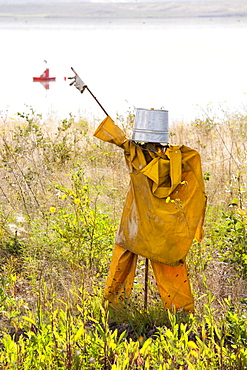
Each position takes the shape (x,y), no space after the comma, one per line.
(174,286)
(121,274)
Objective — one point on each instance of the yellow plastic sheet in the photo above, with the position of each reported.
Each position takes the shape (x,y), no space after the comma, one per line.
(165,203)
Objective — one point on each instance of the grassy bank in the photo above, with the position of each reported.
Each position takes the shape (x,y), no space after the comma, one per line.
(62,193)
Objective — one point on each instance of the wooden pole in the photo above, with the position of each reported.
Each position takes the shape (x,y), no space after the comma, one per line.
(146,286)
(81,86)
(97,101)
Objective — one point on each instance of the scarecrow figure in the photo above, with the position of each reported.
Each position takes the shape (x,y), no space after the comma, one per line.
(163,213)
(164,208)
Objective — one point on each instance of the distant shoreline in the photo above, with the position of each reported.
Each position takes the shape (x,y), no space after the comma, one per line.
(173,9)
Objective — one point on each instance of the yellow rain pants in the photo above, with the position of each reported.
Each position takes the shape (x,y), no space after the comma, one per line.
(163,212)
(172,282)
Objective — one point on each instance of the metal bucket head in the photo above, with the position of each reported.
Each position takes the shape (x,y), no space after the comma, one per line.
(151,126)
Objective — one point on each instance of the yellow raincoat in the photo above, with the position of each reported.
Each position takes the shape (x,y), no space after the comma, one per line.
(163,213)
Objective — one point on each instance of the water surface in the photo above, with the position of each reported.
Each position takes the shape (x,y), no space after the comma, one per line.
(171,63)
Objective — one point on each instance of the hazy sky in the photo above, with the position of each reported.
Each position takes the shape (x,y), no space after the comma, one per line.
(101,1)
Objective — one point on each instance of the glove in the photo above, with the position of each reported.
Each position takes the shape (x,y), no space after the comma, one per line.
(77,81)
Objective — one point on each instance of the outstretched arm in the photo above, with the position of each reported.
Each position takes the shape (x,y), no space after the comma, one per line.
(108,131)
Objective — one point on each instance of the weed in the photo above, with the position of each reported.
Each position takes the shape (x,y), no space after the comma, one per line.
(61,195)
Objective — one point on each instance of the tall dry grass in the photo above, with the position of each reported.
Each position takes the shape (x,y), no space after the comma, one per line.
(38,159)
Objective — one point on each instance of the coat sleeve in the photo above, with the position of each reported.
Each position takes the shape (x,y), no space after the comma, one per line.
(108,131)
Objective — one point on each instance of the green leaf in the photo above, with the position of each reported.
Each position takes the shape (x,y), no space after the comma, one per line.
(29,320)
(79,333)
